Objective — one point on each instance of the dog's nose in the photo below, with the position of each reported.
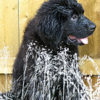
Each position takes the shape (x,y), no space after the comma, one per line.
(92,27)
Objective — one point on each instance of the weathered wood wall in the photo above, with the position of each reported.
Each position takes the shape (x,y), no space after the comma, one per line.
(92,11)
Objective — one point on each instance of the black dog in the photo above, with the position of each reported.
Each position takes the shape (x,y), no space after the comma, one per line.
(46,65)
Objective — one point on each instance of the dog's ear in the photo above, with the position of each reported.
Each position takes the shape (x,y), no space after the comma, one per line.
(49,30)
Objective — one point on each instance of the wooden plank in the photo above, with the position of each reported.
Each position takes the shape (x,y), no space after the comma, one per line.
(5,82)
(9,26)
(6,64)
(92,11)
(8,33)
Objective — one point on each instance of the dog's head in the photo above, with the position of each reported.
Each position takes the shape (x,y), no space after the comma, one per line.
(63,21)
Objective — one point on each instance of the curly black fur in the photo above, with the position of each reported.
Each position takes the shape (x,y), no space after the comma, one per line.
(49,29)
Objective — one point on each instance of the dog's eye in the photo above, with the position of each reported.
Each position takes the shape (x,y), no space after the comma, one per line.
(74,17)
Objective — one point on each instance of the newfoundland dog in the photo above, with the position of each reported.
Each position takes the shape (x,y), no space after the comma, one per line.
(46,66)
